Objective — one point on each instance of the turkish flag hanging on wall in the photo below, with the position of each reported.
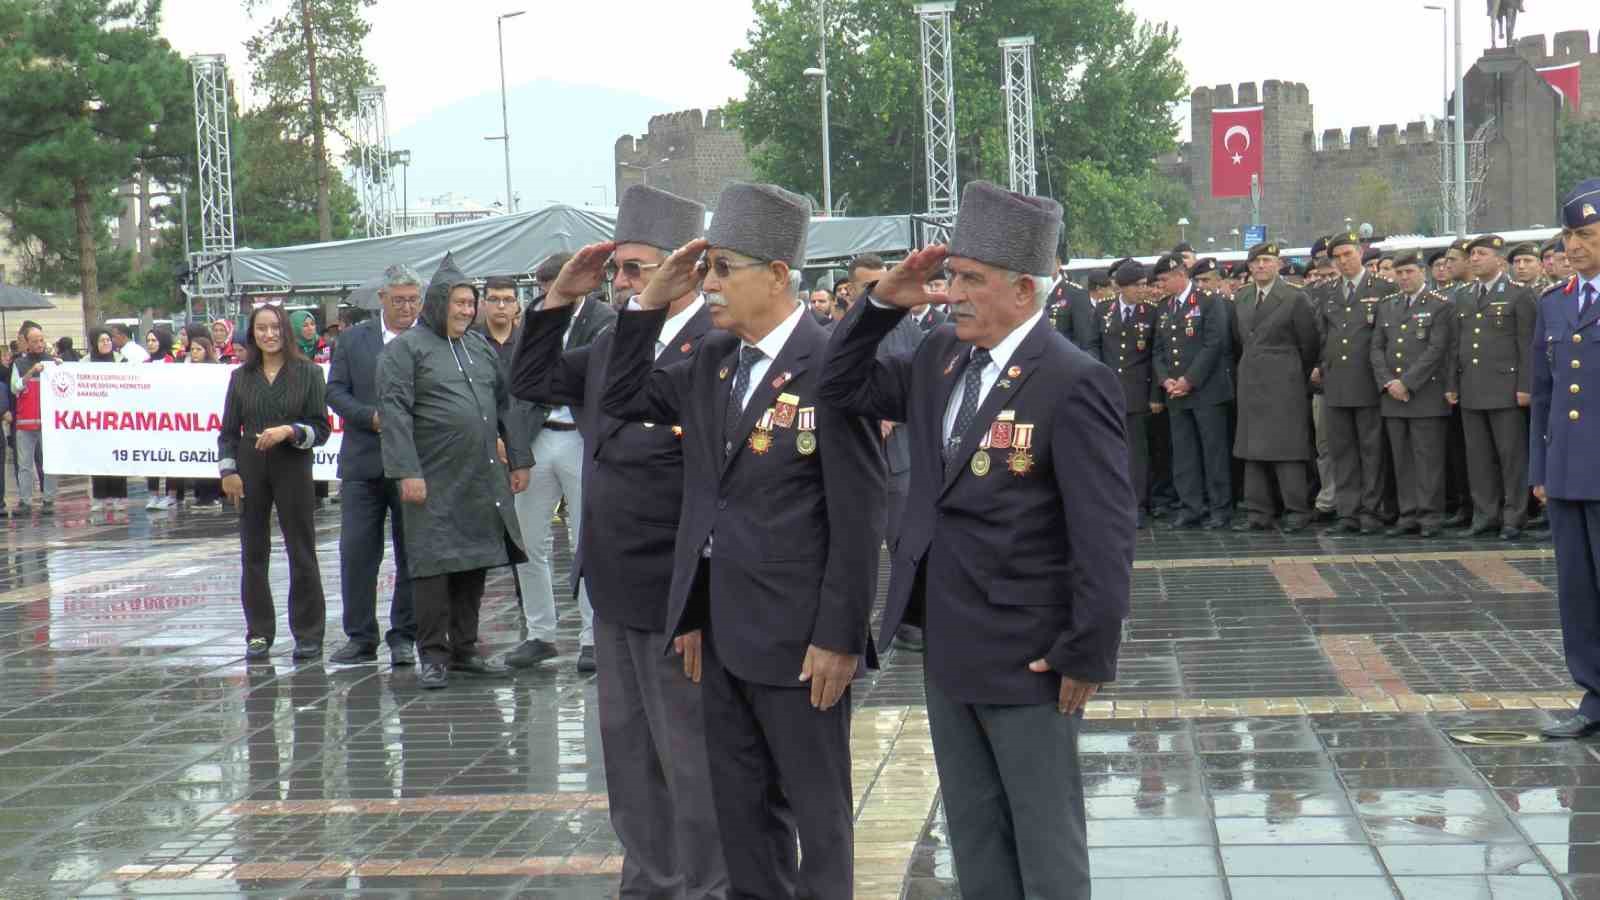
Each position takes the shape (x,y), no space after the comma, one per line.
(1566,82)
(1235,150)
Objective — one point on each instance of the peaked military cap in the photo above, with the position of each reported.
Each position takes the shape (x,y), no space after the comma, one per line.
(1097,279)
(1408,258)
(1554,245)
(1526,248)
(1265,248)
(1202,266)
(1170,262)
(1342,239)
(1128,273)
(1488,241)
(1581,206)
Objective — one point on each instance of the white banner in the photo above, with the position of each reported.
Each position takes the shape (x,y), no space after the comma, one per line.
(144,420)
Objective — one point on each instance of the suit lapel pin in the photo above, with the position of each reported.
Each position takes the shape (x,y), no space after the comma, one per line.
(951,366)
(781,380)
(1004,385)
(1014,372)
(687,346)
(723,375)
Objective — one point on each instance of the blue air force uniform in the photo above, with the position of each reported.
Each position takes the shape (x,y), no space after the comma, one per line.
(1562,442)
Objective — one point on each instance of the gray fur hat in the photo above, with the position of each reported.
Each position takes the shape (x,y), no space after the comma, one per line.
(652,216)
(1007,230)
(761,221)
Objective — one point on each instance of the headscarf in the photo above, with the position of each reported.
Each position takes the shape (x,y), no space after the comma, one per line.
(94,347)
(297,323)
(227,352)
(163,345)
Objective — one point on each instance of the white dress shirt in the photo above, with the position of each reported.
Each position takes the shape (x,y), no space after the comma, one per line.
(674,324)
(770,346)
(563,414)
(999,357)
(387,334)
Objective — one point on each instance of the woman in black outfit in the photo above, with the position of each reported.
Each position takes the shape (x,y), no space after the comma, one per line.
(275,412)
(105,491)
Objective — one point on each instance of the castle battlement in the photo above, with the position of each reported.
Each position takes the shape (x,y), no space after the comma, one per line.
(690,152)
(1335,140)
(1248,93)
(1568,47)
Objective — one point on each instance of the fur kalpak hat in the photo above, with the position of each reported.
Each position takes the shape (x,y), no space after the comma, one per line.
(1007,230)
(761,221)
(652,216)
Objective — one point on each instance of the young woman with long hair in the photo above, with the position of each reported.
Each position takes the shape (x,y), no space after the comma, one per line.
(105,491)
(274,414)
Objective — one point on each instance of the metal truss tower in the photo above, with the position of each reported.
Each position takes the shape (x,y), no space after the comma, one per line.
(215,182)
(938,114)
(375,163)
(1018,52)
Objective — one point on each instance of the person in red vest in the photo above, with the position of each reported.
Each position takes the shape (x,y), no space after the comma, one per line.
(25,372)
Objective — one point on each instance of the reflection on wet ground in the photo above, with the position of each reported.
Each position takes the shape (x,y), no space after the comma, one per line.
(1279,731)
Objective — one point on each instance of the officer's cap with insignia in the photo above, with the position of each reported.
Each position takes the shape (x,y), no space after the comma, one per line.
(1462,244)
(1343,238)
(1554,245)
(1289,267)
(1182,248)
(1320,248)
(1488,241)
(1434,257)
(1265,248)
(1097,279)
(1129,273)
(1372,254)
(1169,263)
(1112,271)
(1526,248)
(1202,266)
(1408,258)
(1581,205)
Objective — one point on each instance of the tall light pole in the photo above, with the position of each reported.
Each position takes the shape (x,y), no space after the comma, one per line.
(504,137)
(1183,228)
(1444,67)
(1461,136)
(402,158)
(821,73)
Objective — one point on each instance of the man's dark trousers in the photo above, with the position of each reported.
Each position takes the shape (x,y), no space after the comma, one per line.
(778,771)
(363,504)
(447,615)
(1043,824)
(1575,529)
(1201,460)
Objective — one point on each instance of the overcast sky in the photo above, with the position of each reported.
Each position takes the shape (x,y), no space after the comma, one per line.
(1367,62)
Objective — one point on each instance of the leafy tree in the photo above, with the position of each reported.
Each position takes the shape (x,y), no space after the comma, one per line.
(275,187)
(1377,203)
(92,93)
(308,62)
(1577,152)
(1106,87)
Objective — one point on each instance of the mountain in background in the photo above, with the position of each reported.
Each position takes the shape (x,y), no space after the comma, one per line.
(562,137)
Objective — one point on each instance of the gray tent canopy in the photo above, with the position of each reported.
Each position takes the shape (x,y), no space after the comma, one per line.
(506,245)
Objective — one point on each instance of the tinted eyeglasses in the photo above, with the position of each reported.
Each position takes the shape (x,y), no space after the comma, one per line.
(630,268)
(723,268)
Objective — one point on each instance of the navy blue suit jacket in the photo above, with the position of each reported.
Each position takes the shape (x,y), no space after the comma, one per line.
(632,471)
(1566,380)
(1009,566)
(798,534)
(352,393)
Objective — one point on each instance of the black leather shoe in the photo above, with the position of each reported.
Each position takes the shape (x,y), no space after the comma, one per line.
(402,653)
(1183,521)
(909,639)
(1325,515)
(1483,528)
(1399,529)
(353,654)
(1578,726)
(477,664)
(257,649)
(1428,531)
(1215,524)
(432,676)
(530,653)
(586,659)
(1510,534)
(1343,526)
(1294,524)
(1459,520)
(304,650)
(1371,526)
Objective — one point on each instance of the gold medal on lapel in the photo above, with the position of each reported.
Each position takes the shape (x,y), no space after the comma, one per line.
(980,463)
(1020,462)
(760,440)
(723,375)
(806,422)
(806,443)
(784,409)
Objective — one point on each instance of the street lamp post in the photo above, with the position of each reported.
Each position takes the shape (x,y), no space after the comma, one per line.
(402,158)
(645,169)
(1444,67)
(505,122)
(1460,136)
(1234,233)
(1183,228)
(821,73)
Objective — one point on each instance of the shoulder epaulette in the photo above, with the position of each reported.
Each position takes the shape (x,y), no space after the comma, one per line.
(1565,287)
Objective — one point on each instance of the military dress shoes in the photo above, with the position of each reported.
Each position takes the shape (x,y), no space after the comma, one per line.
(586,658)
(1429,531)
(1482,528)
(1400,528)
(1343,526)
(530,653)
(1510,533)
(304,650)
(432,676)
(1294,524)
(354,654)
(402,653)
(1459,520)
(1578,726)
(1371,526)
(257,649)
(1216,523)
(1184,521)
(478,664)
(1250,525)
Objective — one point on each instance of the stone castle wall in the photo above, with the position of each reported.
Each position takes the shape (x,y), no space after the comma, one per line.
(702,156)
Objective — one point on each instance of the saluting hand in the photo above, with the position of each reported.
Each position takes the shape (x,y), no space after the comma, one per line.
(678,275)
(581,276)
(903,286)
(829,673)
(1074,693)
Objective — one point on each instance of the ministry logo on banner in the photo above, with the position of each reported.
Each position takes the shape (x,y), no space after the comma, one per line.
(1236,138)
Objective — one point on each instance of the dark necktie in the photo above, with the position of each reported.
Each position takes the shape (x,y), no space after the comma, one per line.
(971,385)
(1127,314)
(748,357)
(1349,292)
(1588,300)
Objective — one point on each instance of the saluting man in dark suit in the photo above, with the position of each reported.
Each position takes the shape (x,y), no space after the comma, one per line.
(366,496)
(1018,545)
(1127,339)
(652,727)
(1566,431)
(777,546)
(1496,329)
(1410,364)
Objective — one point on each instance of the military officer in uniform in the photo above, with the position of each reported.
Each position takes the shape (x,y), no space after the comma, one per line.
(1410,364)
(1440,271)
(1566,431)
(1018,547)
(1526,270)
(1457,494)
(1191,361)
(1553,257)
(1274,324)
(1127,334)
(1072,312)
(1350,399)
(1495,318)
